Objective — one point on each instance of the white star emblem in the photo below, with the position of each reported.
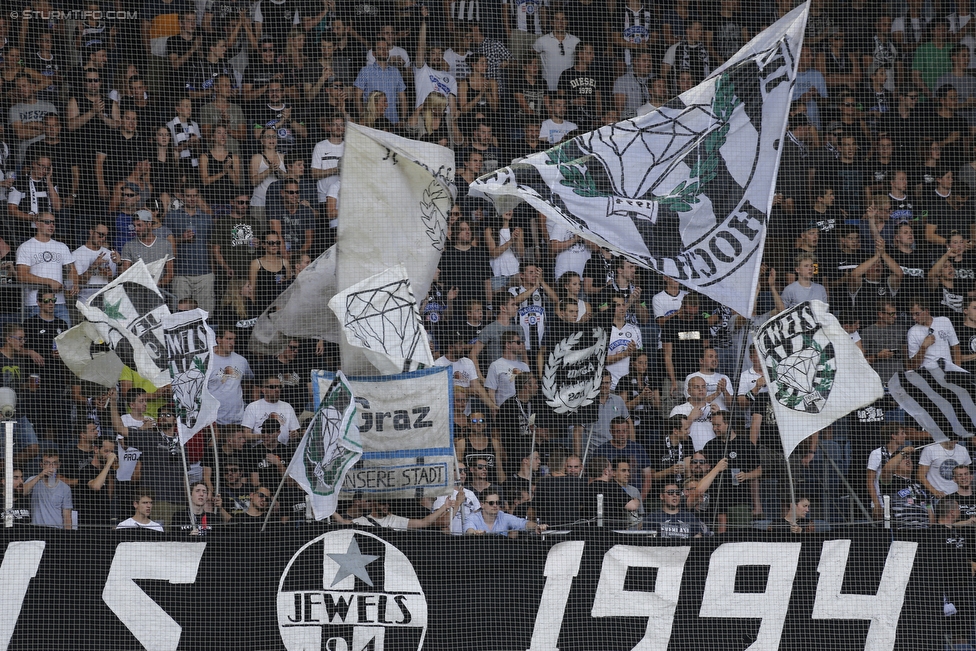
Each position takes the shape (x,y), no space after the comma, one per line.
(353,562)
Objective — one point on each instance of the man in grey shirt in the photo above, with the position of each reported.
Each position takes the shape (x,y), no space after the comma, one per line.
(884,341)
(147,247)
(50,497)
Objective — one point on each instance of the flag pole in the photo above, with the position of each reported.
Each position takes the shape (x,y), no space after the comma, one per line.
(186,475)
(274,498)
(216,449)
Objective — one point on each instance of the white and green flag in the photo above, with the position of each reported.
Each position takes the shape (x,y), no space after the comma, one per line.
(685,190)
(330,447)
(816,374)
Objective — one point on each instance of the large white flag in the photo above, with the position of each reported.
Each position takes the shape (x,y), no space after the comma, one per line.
(189,345)
(380,316)
(685,190)
(128,314)
(816,374)
(393,205)
(330,447)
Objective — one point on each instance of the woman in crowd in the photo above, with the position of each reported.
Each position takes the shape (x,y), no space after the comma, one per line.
(237,308)
(266,167)
(430,123)
(219,187)
(164,173)
(270,273)
(477,92)
(373,115)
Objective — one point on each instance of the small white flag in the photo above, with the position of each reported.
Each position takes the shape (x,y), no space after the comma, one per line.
(330,447)
(189,345)
(380,315)
(815,372)
(128,314)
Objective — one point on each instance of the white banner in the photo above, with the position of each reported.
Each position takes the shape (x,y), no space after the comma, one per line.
(393,205)
(815,373)
(685,190)
(189,345)
(406,425)
(380,316)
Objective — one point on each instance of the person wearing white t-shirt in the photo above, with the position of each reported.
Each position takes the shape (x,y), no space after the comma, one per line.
(935,466)
(466,507)
(432,73)
(569,248)
(625,341)
(142,503)
(466,379)
(558,50)
(556,129)
(666,304)
(95,265)
(931,340)
(269,407)
(42,260)
(227,382)
(718,387)
(328,153)
(500,380)
(698,411)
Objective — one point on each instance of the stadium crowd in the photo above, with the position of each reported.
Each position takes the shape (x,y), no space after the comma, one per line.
(213,133)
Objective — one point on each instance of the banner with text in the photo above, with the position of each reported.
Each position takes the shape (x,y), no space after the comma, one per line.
(317,587)
(406,424)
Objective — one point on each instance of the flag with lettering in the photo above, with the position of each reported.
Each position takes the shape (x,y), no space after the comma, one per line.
(128,314)
(685,190)
(815,372)
(189,345)
(407,426)
(330,447)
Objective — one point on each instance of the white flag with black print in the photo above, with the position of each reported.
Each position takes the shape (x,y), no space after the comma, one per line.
(380,316)
(393,205)
(128,314)
(941,400)
(685,190)
(816,374)
(189,345)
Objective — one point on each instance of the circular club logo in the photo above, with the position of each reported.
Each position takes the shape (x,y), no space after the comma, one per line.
(348,591)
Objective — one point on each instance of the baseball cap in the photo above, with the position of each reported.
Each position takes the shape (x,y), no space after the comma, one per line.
(144,215)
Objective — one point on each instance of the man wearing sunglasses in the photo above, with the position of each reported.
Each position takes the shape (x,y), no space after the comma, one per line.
(672,521)
(235,243)
(42,262)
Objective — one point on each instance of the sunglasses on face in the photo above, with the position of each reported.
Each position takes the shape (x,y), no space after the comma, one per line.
(672,492)
(477,420)
(48,300)
(492,502)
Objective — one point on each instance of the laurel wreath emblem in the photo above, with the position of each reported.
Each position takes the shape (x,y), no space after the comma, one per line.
(587,390)
(435,221)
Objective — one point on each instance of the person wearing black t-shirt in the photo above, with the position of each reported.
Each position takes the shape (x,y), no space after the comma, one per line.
(259,74)
(582,89)
(465,265)
(946,210)
(196,519)
(616,502)
(823,210)
(684,339)
(288,367)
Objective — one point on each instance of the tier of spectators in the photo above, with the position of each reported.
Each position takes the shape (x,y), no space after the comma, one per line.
(214,134)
